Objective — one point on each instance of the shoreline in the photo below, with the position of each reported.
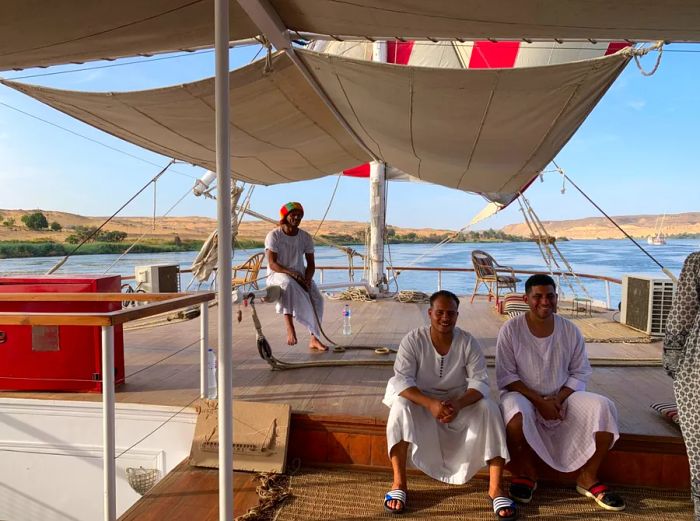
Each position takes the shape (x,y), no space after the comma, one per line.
(43,248)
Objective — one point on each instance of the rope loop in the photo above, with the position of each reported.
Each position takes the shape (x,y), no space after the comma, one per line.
(636,53)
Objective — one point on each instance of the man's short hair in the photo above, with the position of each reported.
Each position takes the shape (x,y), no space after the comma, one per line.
(443,293)
(539,279)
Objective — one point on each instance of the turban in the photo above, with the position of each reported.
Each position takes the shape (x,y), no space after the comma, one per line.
(290,207)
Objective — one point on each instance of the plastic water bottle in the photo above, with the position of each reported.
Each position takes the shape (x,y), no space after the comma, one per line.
(212,392)
(347,328)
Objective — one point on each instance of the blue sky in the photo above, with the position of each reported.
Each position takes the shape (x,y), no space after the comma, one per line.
(636,153)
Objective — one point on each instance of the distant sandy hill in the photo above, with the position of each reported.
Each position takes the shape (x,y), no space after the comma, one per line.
(166,228)
(600,228)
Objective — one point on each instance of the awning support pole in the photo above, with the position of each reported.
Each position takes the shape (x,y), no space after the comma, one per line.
(377,202)
(225,308)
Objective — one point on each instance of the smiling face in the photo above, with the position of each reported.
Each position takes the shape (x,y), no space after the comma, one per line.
(294,218)
(443,315)
(542,301)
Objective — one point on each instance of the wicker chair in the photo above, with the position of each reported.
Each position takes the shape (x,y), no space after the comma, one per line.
(488,272)
(246,274)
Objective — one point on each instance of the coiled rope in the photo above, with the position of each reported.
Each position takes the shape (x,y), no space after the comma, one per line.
(276,364)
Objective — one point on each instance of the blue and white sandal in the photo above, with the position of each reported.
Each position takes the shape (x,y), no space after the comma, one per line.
(395,495)
(501,503)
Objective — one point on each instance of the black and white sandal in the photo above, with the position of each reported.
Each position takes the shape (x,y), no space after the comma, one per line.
(522,489)
(501,503)
(395,495)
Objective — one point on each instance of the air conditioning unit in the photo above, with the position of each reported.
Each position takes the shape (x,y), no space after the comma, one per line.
(646,302)
(158,278)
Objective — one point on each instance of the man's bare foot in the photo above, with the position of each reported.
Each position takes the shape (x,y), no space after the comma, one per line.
(291,332)
(316,344)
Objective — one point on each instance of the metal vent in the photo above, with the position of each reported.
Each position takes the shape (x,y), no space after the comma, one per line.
(646,303)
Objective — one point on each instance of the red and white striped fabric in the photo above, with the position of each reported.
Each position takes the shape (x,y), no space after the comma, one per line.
(470,55)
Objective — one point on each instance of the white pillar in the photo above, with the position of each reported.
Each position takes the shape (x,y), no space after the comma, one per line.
(377,202)
(377,223)
(108,443)
(203,348)
(225,325)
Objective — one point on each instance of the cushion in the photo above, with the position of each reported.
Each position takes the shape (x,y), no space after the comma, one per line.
(512,304)
(667,410)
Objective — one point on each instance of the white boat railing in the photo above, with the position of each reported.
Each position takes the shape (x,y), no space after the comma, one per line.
(395,271)
(156,303)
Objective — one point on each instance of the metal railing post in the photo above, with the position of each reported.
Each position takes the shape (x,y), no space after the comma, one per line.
(439,280)
(607,294)
(203,348)
(321,274)
(108,443)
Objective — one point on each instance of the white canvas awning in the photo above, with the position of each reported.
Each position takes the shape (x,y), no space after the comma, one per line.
(487,131)
(280,130)
(48,32)
(483,131)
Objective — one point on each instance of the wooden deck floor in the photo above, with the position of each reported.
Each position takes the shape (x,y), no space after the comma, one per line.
(162,365)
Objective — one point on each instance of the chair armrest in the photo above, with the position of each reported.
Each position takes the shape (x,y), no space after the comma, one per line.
(506,269)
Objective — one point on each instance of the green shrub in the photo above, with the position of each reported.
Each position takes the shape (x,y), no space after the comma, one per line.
(35,221)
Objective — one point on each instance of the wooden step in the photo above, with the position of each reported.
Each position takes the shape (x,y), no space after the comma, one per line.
(637,460)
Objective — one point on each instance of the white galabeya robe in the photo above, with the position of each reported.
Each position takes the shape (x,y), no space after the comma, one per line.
(545,365)
(294,300)
(455,451)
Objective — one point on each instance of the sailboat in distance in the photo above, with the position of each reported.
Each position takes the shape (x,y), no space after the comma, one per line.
(658,239)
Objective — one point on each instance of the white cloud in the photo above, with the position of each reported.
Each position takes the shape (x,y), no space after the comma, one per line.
(636,104)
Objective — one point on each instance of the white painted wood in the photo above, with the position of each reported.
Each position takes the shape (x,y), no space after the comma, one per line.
(224,274)
(203,348)
(109,512)
(51,455)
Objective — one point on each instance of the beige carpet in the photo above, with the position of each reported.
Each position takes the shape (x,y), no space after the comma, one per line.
(342,495)
(599,328)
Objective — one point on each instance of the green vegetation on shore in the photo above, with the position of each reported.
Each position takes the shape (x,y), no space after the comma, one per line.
(23,249)
(489,235)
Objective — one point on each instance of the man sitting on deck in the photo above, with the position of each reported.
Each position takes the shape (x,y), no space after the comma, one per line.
(286,248)
(440,406)
(542,369)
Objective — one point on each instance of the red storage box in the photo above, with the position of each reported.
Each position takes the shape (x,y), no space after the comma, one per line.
(57,358)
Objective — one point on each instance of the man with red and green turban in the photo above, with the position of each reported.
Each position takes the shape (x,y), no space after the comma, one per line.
(291,266)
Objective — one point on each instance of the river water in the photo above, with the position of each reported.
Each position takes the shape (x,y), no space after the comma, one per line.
(612,258)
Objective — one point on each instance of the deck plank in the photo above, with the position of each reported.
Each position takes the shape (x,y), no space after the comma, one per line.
(189,493)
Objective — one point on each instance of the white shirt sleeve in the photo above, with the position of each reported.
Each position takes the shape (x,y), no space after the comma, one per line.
(405,369)
(579,367)
(477,377)
(309,244)
(506,366)
(270,242)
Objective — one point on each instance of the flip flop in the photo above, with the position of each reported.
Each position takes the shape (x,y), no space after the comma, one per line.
(602,495)
(501,503)
(395,495)
(522,488)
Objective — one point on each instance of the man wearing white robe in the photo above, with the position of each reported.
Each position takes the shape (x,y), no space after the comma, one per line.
(542,370)
(287,247)
(440,407)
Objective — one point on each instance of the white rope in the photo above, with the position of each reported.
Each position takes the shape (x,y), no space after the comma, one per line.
(330,202)
(542,232)
(643,51)
(144,233)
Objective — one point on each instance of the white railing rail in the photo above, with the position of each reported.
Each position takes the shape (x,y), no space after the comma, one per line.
(157,303)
